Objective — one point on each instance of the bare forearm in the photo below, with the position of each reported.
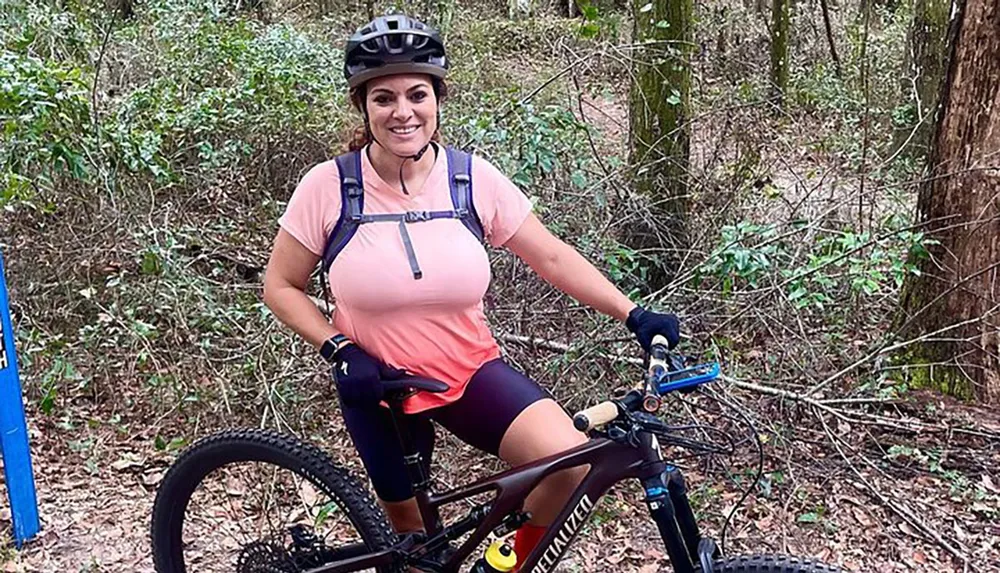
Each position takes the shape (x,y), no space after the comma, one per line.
(570,272)
(297,311)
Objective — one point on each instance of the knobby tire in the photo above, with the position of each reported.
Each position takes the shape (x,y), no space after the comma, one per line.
(255,445)
(771,564)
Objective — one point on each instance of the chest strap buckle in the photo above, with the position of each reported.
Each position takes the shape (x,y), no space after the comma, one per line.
(417,216)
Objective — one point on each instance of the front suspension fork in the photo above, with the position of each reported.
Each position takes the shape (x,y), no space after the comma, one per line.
(666,497)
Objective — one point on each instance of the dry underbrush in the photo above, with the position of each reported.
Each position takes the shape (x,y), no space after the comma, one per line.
(140,326)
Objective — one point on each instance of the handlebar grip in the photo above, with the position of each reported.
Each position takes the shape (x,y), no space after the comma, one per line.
(660,340)
(658,355)
(594,416)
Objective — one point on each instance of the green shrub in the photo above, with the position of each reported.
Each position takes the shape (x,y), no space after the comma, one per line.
(45,116)
(829,266)
(228,89)
(528,142)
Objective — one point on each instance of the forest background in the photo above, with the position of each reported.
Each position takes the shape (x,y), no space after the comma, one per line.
(780,207)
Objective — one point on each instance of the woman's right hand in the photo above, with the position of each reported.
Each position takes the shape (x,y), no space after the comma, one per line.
(359,376)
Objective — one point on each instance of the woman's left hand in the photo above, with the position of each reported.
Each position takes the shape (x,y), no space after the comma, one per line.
(646,324)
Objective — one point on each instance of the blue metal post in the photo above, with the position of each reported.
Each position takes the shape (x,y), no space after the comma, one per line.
(18,476)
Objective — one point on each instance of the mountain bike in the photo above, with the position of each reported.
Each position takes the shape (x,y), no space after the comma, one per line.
(317,518)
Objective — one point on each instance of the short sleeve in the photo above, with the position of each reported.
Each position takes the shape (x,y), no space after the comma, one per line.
(501,206)
(314,208)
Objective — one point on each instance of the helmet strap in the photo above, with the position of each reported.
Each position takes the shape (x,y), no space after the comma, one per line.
(415,157)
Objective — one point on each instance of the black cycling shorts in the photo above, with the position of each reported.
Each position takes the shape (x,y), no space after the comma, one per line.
(494,397)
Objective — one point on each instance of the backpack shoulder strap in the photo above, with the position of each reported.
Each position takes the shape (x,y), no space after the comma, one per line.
(352,205)
(460,183)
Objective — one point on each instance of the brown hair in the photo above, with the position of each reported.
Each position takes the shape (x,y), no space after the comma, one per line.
(360,136)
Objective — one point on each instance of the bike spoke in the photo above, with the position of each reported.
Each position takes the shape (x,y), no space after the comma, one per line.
(248,511)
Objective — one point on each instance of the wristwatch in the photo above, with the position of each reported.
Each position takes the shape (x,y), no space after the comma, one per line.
(332,345)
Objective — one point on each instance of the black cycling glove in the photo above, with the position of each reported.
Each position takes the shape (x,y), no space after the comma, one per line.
(359,376)
(646,324)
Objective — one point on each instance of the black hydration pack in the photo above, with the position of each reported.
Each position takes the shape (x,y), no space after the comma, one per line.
(352,208)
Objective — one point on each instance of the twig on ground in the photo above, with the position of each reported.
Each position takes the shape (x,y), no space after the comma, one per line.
(896,506)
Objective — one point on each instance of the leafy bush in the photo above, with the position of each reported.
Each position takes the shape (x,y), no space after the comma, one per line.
(45,114)
(190,100)
(824,269)
(738,258)
(228,89)
(528,142)
(51,31)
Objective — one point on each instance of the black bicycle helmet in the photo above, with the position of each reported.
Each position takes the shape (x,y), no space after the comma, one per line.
(393,45)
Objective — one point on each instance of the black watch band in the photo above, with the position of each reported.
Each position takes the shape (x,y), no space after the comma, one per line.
(331,346)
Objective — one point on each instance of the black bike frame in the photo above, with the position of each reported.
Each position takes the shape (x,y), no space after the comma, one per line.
(610,461)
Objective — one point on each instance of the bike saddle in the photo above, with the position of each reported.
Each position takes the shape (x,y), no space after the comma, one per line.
(407,384)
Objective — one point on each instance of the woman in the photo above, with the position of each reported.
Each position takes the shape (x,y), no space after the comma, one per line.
(390,319)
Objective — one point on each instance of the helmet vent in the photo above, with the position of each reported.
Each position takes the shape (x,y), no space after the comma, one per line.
(387,44)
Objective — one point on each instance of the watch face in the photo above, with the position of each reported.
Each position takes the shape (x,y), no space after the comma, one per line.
(327,350)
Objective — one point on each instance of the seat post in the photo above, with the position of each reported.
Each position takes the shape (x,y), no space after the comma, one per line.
(417,469)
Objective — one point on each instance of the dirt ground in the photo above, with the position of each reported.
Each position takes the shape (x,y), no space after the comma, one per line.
(95,503)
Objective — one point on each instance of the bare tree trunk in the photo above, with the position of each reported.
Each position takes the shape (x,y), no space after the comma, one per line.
(779,48)
(926,59)
(659,101)
(824,6)
(960,284)
(125,8)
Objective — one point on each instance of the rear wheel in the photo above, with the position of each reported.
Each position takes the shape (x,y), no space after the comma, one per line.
(771,564)
(256,501)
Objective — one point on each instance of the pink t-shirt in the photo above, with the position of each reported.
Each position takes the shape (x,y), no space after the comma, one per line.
(432,327)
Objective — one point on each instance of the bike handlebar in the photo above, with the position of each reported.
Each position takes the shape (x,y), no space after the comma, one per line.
(606,411)
(586,420)
(658,365)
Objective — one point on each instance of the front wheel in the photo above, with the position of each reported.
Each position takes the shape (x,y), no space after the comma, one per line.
(256,501)
(771,564)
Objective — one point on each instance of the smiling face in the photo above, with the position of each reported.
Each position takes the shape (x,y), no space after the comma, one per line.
(402,112)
